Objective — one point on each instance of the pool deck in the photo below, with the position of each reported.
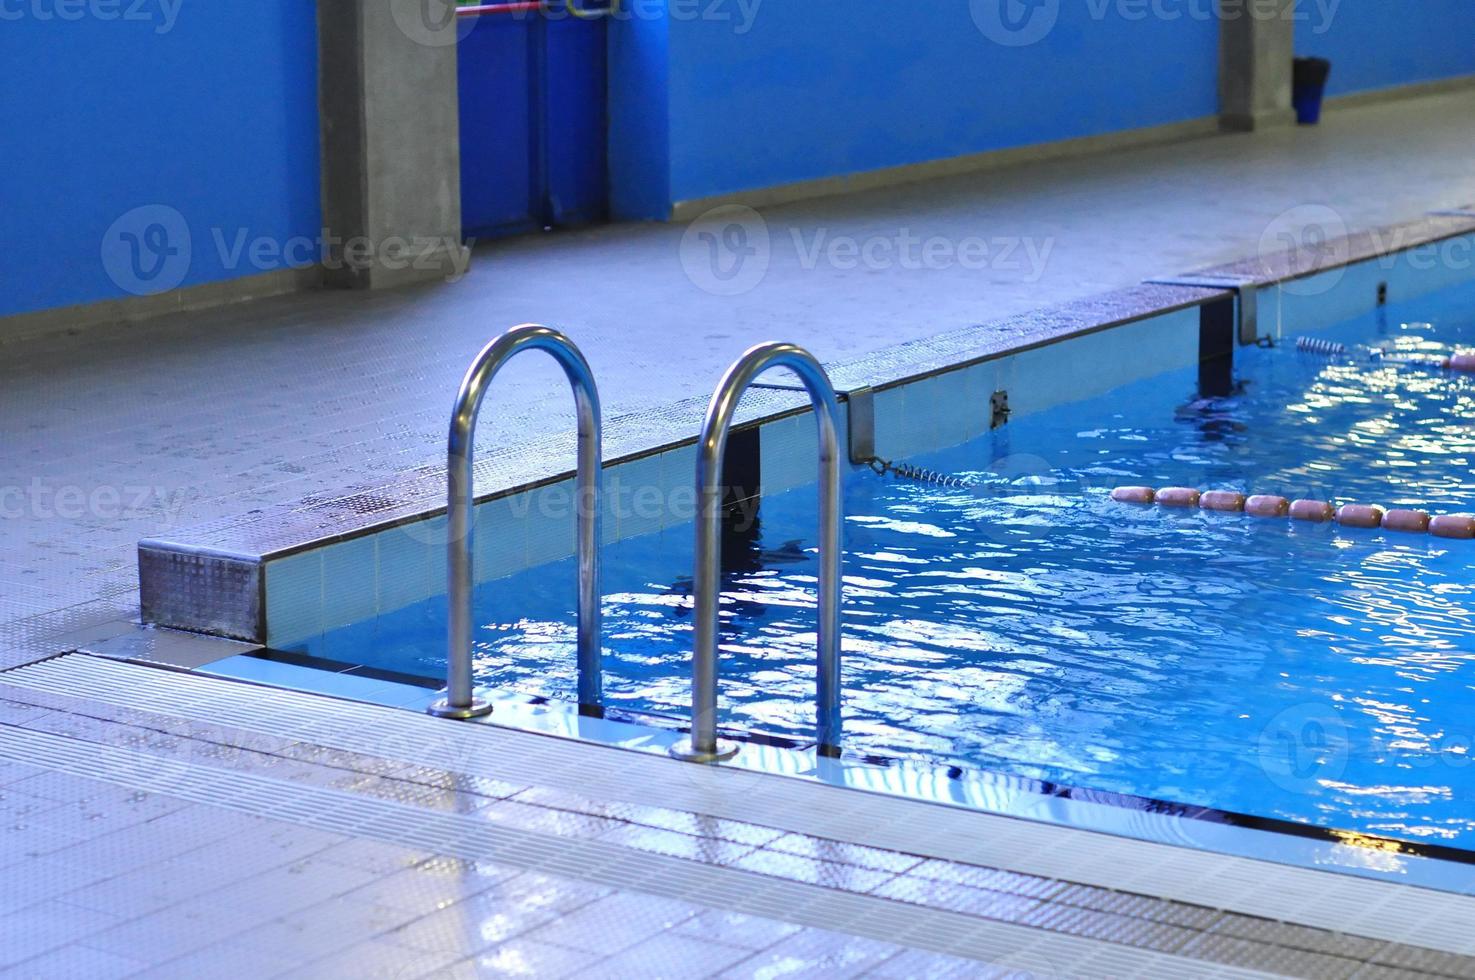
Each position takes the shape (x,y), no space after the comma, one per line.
(165,824)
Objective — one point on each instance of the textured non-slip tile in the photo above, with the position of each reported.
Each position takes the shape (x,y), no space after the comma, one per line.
(841,853)
(1253,955)
(1030,886)
(1139,906)
(736,929)
(78,962)
(1300,937)
(47,926)
(1124,930)
(912,963)
(224,960)
(613,924)
(823,873)
(147,889)
(518,958)
(289,889)
(29,881)
(184,929)
(374,961)
(669,955)
(1373,971)
(1405,957)
(708,850)
(417,891)
(559,822)
(815,953)
(419,794)
(958,898)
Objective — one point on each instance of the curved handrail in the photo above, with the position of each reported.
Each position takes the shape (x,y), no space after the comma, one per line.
(703,745)
(460,700)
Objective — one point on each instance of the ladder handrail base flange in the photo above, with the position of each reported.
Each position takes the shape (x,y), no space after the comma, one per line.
(478,708)
(686,752)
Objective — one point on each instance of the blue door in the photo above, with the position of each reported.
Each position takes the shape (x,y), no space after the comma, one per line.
(533,118)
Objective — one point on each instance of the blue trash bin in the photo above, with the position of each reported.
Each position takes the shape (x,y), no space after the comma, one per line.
(1308,86)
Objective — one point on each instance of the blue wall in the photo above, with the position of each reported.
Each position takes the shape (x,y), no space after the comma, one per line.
(639,118)
(820,88)
(207,109)
(1378,43)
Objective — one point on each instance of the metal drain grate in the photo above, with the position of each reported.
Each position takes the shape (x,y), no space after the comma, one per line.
(467,837)
(1374,909)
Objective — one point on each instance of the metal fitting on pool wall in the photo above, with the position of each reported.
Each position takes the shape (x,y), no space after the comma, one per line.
(1360,515)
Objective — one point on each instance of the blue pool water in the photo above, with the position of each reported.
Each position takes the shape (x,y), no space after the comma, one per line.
(1033,627)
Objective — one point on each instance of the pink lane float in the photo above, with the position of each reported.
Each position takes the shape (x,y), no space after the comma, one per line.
(1178,497)
(1317,511)
(1267,505)
(1360,515)
(1452,526)
(1460,526)
(1413,521)
(1226,501)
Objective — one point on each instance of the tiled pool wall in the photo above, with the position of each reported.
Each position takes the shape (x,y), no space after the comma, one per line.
(318,587)
(1318,301)
(314,591)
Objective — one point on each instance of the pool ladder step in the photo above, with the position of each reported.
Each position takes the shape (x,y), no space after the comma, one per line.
(461,700)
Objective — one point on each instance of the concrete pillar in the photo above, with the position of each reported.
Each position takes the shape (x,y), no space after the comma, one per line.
(1257,43)
(391,160)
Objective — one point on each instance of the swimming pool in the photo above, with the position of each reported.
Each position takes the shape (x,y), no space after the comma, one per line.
(1029,625)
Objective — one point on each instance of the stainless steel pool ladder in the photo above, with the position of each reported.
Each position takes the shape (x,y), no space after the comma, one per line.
(704,745)
(461,700)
